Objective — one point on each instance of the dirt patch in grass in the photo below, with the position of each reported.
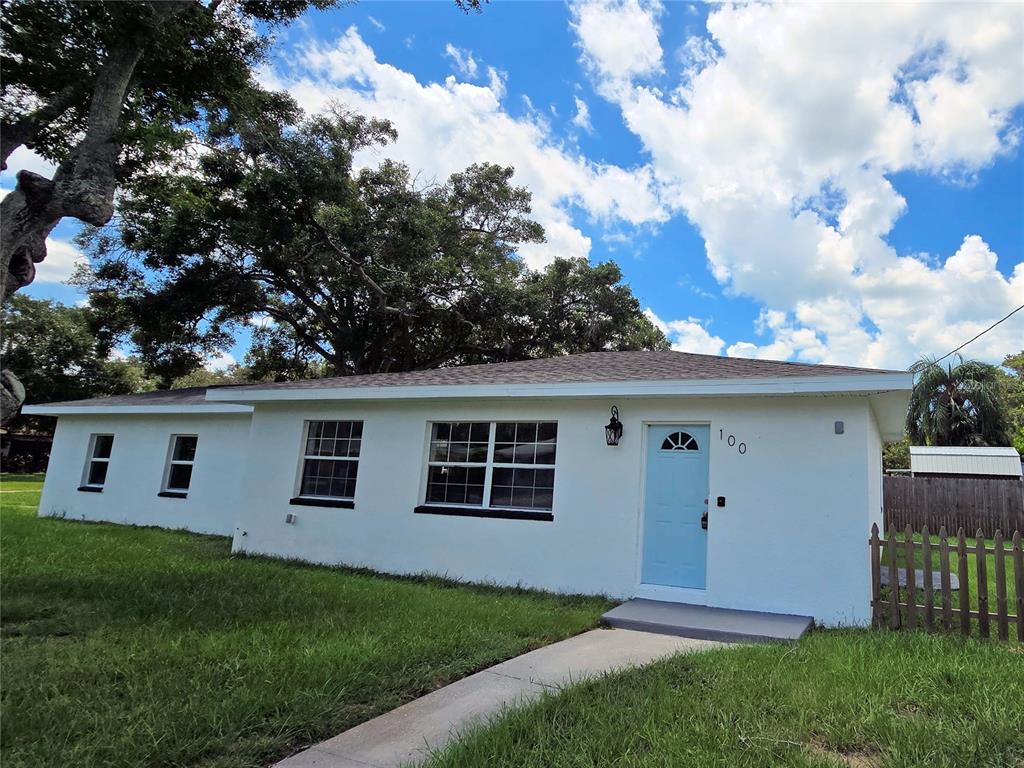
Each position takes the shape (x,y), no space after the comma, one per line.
(850,757)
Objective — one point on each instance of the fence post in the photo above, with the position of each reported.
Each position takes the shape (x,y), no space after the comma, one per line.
(981,565)
(1003,625)
(946,587)
(894,580)
(965,586)
(908,556)
(926,562)
(1018,582)
(876,576)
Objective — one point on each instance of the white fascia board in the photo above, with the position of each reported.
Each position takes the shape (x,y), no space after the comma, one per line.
(787,385)
(119,410)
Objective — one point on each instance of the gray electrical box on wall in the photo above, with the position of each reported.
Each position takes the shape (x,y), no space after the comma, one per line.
(840,427)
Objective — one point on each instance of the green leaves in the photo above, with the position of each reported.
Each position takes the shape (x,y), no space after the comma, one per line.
(368,270)
(958,403)
(56,353)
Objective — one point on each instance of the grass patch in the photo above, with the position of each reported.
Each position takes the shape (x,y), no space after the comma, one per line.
(139,646)
(859,698)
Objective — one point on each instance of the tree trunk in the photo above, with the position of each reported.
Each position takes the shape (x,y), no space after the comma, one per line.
(83,186)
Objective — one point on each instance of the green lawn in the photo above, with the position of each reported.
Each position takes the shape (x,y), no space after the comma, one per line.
(142,647)
(972,574)
(863,699)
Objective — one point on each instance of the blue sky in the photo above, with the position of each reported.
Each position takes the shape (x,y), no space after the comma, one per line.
(822,183)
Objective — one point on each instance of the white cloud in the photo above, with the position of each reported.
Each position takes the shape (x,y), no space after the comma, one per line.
(24,159)
(777,141)
(444,127)
(463,60)
(219,362)
(582,117)
(619,38)
(262,321)
(61,259)
(689,335)
(380,27)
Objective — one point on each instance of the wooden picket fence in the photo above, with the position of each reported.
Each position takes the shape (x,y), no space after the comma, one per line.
(905,596)
(987,503)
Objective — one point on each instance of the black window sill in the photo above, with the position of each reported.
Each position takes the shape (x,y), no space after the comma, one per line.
(90,489)
(500,514)
(173,495)
(302,501)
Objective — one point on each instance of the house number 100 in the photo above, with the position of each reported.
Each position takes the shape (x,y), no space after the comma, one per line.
(731,440)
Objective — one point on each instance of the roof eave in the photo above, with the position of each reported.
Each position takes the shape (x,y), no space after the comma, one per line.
(117,410)
(780,385)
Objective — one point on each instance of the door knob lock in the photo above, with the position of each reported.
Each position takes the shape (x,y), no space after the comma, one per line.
(704,521)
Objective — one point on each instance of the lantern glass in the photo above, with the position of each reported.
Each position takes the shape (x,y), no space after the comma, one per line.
(613,432)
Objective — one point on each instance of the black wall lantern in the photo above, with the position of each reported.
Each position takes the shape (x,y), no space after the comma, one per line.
(613,432)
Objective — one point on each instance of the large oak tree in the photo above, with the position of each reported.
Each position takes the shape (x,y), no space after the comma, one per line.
(359,264)
(106,91)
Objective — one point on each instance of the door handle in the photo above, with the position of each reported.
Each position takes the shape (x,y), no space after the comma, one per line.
(704,520)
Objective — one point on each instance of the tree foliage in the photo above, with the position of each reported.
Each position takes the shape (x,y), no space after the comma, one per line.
(363,268)
(56,353)
(107,91)
(896,454)
(1012,390)
(959,403)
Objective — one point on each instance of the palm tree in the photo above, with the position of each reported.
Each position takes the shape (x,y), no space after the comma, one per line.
(959,404)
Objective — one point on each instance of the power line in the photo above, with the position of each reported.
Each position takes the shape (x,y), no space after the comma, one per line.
(997,322)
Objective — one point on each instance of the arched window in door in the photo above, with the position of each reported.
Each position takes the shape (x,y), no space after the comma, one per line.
(680,441)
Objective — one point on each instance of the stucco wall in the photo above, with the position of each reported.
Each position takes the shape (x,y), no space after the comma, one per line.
(791,537)
(136,470)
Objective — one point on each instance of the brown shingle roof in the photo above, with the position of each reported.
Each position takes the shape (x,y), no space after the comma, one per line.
(183,396)
(568,369)
(582,368)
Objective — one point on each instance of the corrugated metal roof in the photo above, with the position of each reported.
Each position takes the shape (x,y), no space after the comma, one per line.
(957,460)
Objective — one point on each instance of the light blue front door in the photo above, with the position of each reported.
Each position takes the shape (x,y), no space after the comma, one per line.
(675,543)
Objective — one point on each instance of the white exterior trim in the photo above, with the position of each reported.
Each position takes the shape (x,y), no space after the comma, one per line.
(117,410)
(779,385)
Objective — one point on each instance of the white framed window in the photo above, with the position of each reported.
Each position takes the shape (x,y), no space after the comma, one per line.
(94,477)
(330,460)
(492,465)
(181,457)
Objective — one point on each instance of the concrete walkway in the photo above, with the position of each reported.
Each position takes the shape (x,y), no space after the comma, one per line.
(407,734)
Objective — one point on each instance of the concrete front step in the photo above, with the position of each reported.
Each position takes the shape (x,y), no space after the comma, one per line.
(704,623)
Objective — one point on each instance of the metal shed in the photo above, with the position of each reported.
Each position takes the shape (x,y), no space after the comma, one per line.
(960,461)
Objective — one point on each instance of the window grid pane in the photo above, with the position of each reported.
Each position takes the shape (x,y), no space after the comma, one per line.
(454,445)
(97,472)
(180,477)
(102,446)
(456,485)
(333,478)
(185,448)
(525,442)
(335,439)
(464,441)
(528,488)
(330,466)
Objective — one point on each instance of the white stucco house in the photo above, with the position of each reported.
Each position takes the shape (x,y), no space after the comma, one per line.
(734,483)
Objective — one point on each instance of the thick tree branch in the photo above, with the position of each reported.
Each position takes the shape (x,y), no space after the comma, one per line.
(83,186)
(382,298)
(23,131)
